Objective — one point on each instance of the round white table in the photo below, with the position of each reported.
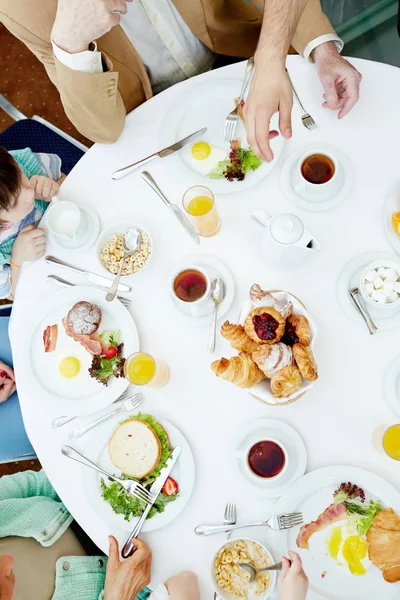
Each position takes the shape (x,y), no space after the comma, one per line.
(337,417)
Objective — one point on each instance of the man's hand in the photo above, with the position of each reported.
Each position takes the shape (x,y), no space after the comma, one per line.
(45,188)
(292,582)
(78,23)
(270,92)
(7,382)
(29,245)
(125,579)
(340,80)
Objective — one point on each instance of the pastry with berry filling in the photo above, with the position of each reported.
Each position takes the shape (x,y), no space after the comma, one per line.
(265,325)
(297,331)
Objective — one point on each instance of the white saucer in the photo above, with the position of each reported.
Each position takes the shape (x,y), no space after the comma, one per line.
(306,201)
(350,278)
(391,386)
(86,235)
(392,205)
(214,269)
(254,431)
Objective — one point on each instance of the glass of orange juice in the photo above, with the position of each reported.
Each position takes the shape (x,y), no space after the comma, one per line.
(142,369)
(199,203)
(387,440)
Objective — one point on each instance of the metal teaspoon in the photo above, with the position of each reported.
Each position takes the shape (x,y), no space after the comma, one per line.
(131,243)
(217,295)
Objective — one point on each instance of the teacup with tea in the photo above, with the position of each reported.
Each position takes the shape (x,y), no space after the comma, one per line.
(265,458)
(191,290)
(317,175)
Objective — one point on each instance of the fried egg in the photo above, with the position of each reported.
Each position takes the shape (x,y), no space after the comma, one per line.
(349,549)
(204,156)
(67,368)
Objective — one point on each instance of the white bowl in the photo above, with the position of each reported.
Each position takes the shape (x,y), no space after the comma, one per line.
(372,303)
(227,595)
(120,227)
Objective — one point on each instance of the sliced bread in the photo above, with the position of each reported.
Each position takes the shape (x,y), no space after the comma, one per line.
(135,449)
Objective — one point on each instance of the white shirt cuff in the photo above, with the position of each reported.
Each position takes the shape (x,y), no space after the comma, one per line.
(328,37)
(160,593)
(86,62)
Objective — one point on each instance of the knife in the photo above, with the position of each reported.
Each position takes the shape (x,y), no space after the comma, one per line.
(98,280)
(174,208)
(129,547)
(160,154)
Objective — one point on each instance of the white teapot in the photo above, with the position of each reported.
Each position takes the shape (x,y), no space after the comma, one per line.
(286,242)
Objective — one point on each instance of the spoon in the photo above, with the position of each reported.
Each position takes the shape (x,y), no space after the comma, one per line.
(355,295)
(131,243)
(254,572)
(217,295)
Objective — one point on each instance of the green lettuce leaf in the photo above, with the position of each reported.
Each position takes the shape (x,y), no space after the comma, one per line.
(111,338)
(364,515)
(218,172)
(250,161)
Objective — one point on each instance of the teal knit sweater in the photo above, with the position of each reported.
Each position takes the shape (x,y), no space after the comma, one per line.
(29,507)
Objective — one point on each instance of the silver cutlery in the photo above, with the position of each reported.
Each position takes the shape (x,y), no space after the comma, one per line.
(254,572)
(174,208)
(306,118)
(160,154)
(230,516)
(276,522)
(217,296)
(60,421)
(231,120)
(132,487)
(99,280)
(355,295)
(131,241)
(64,283)
(155,489)
(125,406)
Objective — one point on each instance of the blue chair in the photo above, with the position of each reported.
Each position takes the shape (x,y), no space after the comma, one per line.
(14,443)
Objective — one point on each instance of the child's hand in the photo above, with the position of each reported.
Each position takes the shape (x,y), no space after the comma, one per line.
(45,188)
(7,382)
(292,582)
(29,245)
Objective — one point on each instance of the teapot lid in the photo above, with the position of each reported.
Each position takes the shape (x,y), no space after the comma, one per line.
(286,228)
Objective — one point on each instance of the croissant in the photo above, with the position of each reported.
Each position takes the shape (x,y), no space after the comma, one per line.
(297,330)
(265,325)
(305,361)
(240,370)
(260,298)
(238,338)
(271,359)
(286,381)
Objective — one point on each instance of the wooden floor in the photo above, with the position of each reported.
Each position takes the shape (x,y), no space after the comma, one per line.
(17,467)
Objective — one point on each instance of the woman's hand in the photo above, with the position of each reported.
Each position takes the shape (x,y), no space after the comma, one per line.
(7,382)
(292,582)
(125,579)
(45,188)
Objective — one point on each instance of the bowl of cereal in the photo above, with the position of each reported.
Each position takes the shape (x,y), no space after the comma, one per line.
(230,581)
(110,249)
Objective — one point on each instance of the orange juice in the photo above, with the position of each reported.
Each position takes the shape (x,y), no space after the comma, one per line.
(140,368)
(396,222)
(391,442)
(198,201)
(199,206)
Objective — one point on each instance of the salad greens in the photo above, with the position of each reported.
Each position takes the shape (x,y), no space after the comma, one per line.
(240,162)
(123,503)
(110,364)
(111,338)
(360,513)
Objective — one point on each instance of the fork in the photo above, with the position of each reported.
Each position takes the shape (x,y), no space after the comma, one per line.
(306,118)
(59,421)
(64,283)
(276,522)
(134,488)
(232,119)
(124,406)
(230,516)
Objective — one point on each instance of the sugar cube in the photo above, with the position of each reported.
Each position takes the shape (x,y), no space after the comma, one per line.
(378,283)
(382,272)
(391,274)
(391,297)
(371,275)
(369,287)
(379,297)
(388,285)
(396,286)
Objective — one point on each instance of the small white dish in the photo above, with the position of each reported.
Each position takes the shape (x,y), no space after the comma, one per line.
(373,306)
(350,278)
(251,596)
(251,432)
(392,205)
(334,197)
(214,269)
(391,386)
(86,234)
(121,227)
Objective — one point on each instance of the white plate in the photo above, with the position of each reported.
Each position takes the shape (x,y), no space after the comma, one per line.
(350,278)
(214,268)
(250,433)
(392,205)
(311,495)
(391,386)
(307,202)
(97,450)
(207,105)
(81,395)
(263,389)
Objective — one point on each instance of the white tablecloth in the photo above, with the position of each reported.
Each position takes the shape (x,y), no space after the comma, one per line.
(337,418)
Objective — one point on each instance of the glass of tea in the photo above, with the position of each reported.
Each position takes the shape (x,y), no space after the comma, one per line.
(317,175)
(267,459)
(141,368)
(191,289)
(199,203)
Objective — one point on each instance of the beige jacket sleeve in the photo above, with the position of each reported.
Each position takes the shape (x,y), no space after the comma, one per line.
(312,24)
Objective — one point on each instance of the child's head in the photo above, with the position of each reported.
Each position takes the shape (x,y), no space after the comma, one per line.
(17,194)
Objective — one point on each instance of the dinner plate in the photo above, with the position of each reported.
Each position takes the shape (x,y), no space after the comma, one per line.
(207,105)
(391,386)
(392,205)
(82,394)
(183,472)
(311,495)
